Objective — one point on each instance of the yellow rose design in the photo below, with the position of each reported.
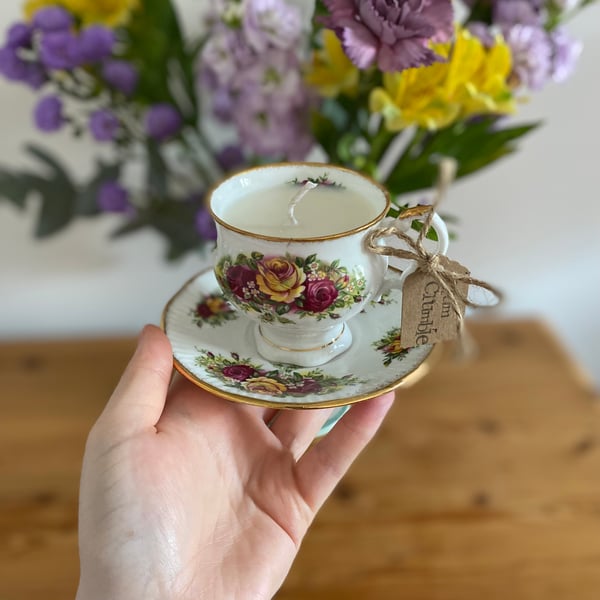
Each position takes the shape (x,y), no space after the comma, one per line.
(217,305)
(394,347)
(265,385)
(280,279)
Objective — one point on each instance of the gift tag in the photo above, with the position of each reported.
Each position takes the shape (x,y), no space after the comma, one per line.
(428,312)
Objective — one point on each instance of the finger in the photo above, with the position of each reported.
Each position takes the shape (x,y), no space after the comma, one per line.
(139,397)
(322,467)
(296,429)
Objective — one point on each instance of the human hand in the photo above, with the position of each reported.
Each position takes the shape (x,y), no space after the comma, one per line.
(188,496)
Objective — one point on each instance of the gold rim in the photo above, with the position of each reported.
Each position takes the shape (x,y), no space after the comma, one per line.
(323,238)
(409,378)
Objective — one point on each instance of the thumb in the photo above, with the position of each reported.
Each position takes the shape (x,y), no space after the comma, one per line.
(139,398)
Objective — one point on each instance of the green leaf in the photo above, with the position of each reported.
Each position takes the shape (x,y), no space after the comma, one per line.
(156,174)
(14,187)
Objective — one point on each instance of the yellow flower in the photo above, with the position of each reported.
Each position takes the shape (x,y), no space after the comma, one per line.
(265,385)
(217,305)
(472,81)
(394,347)
(280,279)
(332,72)
(107,12)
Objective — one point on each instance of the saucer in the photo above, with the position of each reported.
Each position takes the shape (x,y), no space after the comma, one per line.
(213,346)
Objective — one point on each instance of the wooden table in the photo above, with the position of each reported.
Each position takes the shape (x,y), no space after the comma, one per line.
(484,481)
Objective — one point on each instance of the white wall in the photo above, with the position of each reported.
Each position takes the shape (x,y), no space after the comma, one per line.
(531,225)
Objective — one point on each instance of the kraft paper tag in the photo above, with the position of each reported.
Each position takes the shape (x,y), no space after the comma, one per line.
(427,312)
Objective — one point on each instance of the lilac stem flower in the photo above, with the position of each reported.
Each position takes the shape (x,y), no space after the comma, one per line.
(121,75)
(48,114)
(59,50)
(19,36)
(96,43)
(104,125)
(52,18)
(162,121)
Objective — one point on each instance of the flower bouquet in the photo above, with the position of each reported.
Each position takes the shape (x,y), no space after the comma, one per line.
(385,87)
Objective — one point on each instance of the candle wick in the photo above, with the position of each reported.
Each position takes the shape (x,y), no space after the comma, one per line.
(307,187)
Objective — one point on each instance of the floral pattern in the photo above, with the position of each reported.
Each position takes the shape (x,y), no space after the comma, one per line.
(277,286)
(285,380)
(321,180)
(390,346)
(212,310)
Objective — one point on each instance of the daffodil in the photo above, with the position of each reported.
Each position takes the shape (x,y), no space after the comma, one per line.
(332,72)
(473,81)
(107,12)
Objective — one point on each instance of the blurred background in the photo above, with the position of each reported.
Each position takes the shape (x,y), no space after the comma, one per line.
(530,225)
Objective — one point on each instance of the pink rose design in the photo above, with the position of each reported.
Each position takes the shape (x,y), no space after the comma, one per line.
(307,386)
(238,278)
(239,372)
(319,295)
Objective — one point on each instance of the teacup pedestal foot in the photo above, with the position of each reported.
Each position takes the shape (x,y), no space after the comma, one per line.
(304,348)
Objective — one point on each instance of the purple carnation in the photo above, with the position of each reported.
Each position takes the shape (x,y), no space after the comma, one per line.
(121,75)
(59,50)
(48,114)
(205,225)
(162,121)
(96,43)
(393,35)
(113,197)
(52,18)
(19,35)
(566,52)
(104,125)
(531,54)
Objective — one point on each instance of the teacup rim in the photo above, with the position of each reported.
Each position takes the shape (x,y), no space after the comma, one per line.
(322,238)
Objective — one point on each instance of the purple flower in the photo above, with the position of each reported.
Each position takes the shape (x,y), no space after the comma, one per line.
(162,121)
(35,75)
(513,12)
(482,32)
(121,75)
(96,43)
(12,66)
(566,52)
(220,55)
(223,104)
(19,36)
(271,23)
(205,225)
(104,125)
(48,114)
(59,50)
(52,18)
(230,157)
(531,54)
(394,35)
(113,197)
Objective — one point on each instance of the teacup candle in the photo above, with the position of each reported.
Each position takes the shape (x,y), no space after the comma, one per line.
(291,255)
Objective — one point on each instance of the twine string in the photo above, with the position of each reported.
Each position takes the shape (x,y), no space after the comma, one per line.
(429,263)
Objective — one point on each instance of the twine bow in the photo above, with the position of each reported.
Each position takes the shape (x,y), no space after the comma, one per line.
(430,263)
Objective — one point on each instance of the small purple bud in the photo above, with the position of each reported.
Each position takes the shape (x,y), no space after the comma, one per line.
(12,67)
(48,114)
(205,225)
(96,43)
(113,197)
(19,36)
(162,121)
(104,125)
(52,18)
(35,76)
(59,50)
(230,157)
(121,75)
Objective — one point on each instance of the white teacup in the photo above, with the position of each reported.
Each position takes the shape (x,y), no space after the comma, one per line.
(301,279)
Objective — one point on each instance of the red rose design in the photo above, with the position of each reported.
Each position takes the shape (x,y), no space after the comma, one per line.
(239,372)
(238,278)
(307,386)
(203,310)
(319,295)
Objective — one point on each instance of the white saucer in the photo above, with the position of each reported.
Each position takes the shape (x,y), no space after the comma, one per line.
(213,346)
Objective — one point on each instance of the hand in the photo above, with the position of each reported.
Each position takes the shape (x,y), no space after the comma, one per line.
(188,496)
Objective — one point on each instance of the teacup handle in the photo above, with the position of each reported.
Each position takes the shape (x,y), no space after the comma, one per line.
(443,242)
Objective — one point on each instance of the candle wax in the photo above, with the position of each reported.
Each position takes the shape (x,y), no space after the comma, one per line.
(324,210)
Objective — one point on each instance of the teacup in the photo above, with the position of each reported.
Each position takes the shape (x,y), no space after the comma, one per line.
(301,274)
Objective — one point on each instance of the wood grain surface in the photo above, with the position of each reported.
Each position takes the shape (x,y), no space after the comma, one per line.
(484,482)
